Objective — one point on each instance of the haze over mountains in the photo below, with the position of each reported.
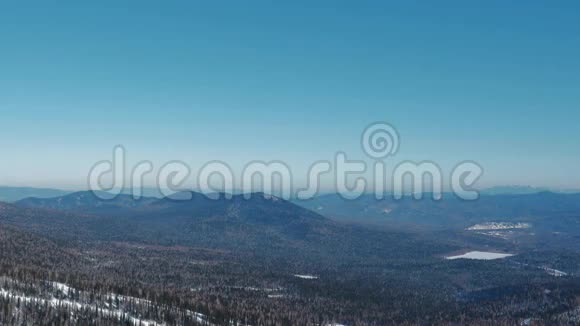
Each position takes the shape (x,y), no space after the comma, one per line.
(11,194)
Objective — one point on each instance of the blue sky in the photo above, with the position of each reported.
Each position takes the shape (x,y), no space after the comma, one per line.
(487,81)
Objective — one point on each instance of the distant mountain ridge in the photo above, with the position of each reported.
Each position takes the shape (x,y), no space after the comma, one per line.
(513,190)
(261,223)
(263,219)
(259,216)
(12,194)
(555,210)
(179,204)
(87,202)
(448,212)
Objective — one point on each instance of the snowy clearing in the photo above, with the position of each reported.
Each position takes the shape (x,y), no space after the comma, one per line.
(306,277)
(499,226)
(480,255)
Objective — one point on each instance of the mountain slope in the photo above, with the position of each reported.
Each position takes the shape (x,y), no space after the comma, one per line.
(88,202)
(264,225)
(550,210)
(12,194)
(24,249)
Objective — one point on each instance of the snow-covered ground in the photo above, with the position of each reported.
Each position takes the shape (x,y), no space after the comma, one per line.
(276,296)
(73,304)
(554,272)
(497,234)
(550,271)
(306,277)
(113,311)
(62,287)
(480,255)
(499,226)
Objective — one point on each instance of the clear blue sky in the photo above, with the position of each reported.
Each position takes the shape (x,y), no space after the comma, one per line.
(490,81)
